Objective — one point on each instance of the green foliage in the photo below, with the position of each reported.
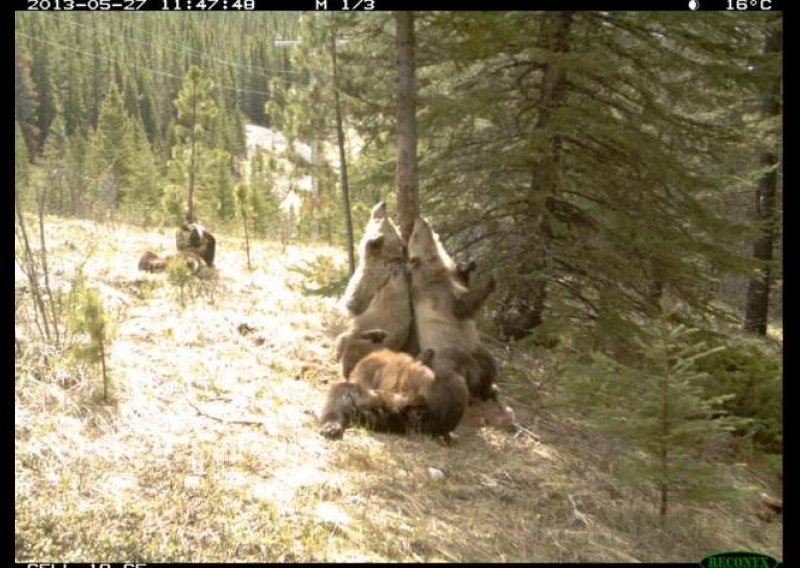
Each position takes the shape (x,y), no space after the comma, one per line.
(113,152)
(659,409)
(321,276)
(21,168)
(182,277)
(753,376)
(172,203)
(89,318)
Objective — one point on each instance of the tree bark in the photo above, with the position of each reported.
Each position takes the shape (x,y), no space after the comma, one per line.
(190,214)
(406,173)
(348,219)
(522,310)
(757,307)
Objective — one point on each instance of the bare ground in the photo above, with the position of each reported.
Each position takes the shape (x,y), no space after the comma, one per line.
(211,453)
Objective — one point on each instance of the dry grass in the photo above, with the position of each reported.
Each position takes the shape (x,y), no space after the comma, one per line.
(168,474)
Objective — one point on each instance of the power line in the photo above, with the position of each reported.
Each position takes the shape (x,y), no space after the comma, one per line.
(267,73)
(145,68)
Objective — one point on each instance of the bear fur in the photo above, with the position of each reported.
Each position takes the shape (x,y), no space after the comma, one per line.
(441,303)
(393,392)
(377,295)
(486,362)
(193,237)
(151,262)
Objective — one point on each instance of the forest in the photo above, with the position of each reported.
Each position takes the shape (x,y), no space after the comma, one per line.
(619,175)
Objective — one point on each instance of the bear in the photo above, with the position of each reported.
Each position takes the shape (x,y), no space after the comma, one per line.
(391,391)
(441,302)
(377,295)
(192,237)
(353,346)
(488,366)
(151,262)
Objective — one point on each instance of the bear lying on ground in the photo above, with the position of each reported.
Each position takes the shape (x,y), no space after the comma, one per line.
(151,262)
(393,392)
(377,295)
(441,302)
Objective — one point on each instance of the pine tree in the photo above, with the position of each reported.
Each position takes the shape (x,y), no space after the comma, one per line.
(54,168)
(148,108)
(112,151)
(658,409)
(78,173)
(74,105)
(766,205)
(48,105)
(144,191)
(244,209)
(89,317)
(196,111)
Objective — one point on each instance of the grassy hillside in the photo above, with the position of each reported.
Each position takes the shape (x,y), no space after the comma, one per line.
(211,453)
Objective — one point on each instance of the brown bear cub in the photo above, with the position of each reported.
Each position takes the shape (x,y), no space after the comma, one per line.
(151,262)
(377,295)
(192,237)
(441,302)
(393,392)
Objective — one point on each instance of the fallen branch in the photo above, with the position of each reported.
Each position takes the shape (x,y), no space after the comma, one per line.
(243,421)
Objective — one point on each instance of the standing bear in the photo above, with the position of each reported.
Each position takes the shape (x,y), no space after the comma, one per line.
(444,312)
(192,237)
(377,295)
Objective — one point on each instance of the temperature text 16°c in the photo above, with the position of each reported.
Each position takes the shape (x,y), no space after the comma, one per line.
(748,4)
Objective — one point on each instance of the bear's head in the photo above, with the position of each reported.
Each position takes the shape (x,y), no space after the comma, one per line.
(425,249)
(381,238)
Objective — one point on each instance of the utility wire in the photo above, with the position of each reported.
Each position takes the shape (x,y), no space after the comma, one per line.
(143,67)
(267,73)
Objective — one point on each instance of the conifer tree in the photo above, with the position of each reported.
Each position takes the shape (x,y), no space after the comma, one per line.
(90,317)
(658,408)
(54,168)
(143,196)
(112,151)
(48,105)
(766,206)
(196,111)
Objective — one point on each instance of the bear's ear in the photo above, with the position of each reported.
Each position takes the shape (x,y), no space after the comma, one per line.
(379,211)
(375,243)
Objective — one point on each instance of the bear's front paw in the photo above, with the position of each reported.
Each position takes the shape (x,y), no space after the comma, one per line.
(332,430)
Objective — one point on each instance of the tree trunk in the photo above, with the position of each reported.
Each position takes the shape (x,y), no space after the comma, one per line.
(348,219)
(246,237)
(406,173)
(190,213)
(104,370)
(522,310)
(757,306)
